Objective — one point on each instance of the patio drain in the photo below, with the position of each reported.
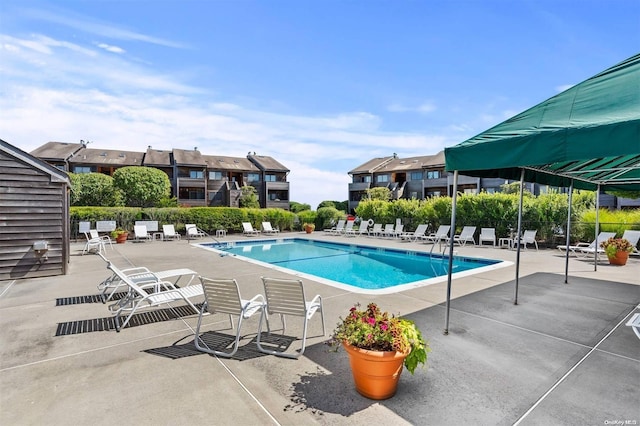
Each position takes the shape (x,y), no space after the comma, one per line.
(108,323)
(91,298)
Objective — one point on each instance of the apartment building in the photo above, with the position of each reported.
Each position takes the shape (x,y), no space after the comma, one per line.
(196,179)
(414,177)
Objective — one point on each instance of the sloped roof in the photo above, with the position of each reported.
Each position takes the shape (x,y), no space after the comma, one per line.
(56,150)
(219,162)
(371,165)
(157,157)
(56,174)
(108,157)
(188,158)
(267,164)
(588,134)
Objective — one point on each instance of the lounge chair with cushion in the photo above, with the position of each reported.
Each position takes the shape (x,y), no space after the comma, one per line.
(222,296)
(487,235)
(286,297)
(584,249)
(169,232)
(148,295)
(247,229)
(268,229)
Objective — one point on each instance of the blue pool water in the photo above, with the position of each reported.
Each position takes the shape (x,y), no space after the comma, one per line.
(367,268)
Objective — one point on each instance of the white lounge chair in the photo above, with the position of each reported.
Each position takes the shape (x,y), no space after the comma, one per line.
(376,230)
(487,235)
(634,323)
(633,236)
(287,298)
(193,231)
(268,229)
(247,229)
(528,237)
(465,236)
(348,226)
(363,228)
(140,233)
(415,235)
(387,231)
(584,249)
(169,232)
(629,235)
(439,236)
(141,275)
(336,229)
(222,296)
(138,298)
(96,241)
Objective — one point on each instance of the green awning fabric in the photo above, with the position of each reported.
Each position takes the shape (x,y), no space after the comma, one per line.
(589,133)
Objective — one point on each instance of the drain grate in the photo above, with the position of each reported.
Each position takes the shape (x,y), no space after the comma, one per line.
(108,323)
(91,298)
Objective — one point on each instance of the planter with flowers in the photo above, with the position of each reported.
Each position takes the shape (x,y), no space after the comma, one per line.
(120,235)
(308,227)
(379,345)
(617,250)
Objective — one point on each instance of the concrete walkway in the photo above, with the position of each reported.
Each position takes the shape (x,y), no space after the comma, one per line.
(563,355)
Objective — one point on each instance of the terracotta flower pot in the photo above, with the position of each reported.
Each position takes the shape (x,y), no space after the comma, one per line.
(375,373)
(620,258)
(121,238)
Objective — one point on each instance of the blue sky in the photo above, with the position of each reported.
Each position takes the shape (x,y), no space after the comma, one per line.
(322,86)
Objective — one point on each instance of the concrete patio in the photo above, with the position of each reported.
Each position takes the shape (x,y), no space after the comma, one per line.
(563,355)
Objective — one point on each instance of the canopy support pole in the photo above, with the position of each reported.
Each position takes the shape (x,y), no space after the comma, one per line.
(595,254)
(454,198)
(568,236)
(517,240)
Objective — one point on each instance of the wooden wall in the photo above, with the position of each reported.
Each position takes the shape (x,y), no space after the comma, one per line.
(32,208)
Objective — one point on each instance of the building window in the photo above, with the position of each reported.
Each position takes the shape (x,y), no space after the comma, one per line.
(196,174)
(215,175)
(82,169)
(366,179)
(253,177)
(433,174)
(382,178)
(270,178)
(416,175)
(191,194)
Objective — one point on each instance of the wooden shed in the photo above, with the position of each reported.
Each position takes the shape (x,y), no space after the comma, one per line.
(34,216)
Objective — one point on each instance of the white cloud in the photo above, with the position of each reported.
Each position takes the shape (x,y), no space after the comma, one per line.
(564,87)
(109,48)
(424,108)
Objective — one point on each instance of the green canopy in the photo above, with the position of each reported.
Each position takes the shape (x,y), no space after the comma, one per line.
(589,133)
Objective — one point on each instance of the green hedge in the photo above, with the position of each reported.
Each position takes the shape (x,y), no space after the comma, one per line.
(208,219)
(500,211)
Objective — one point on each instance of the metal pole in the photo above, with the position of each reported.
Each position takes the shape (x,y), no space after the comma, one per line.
(518,235)
(568,236)
(453,231)
(595,257)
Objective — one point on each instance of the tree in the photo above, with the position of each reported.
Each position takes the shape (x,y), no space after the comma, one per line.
(379,193)
(249,197)
(298,207)
(94,189)
(142,186)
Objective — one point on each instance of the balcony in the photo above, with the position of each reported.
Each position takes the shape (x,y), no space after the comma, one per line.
(359,186)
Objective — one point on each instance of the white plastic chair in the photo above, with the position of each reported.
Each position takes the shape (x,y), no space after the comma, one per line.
(487,235)
(415,235)
(585,249)
(440,235)
(286,298)
(169,232)
(247,229)
(467,235)
(338,228)
(140,233)
(268,229)
(194,231)
(222,296)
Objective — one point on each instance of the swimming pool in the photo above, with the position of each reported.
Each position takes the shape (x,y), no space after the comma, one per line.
(357,268)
